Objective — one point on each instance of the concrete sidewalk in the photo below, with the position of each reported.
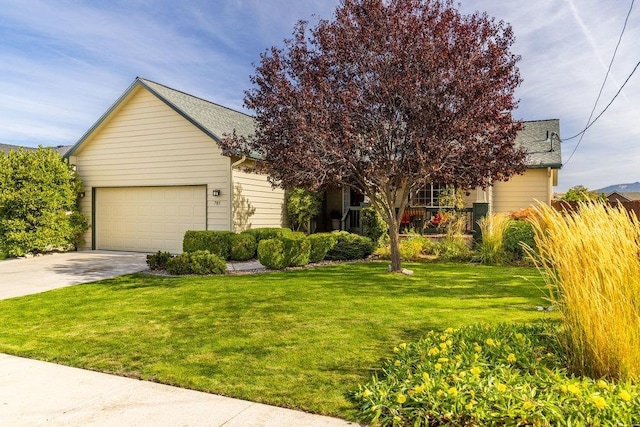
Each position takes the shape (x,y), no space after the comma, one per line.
(36,393)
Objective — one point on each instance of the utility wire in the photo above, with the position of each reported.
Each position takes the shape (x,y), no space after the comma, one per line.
(606,76)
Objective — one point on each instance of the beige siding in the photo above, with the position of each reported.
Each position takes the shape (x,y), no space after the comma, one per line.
(522,191)
(146,143)
(256,203)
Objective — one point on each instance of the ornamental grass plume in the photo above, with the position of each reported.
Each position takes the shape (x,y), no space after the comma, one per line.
(590,261)
(492,228)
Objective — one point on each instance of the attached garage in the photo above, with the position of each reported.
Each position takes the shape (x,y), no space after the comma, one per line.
(147,219)
(152,169)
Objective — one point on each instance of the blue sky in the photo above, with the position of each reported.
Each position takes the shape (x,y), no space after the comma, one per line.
(63,63)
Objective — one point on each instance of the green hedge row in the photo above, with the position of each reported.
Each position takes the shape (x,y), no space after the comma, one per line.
(277,248)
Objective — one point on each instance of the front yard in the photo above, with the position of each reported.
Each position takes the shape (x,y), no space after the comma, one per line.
(299,339)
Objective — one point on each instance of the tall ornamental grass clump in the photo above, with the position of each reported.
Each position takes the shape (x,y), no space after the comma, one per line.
(590,260)
(491,248)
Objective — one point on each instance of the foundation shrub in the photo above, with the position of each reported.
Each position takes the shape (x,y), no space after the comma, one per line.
(518,235)
(350,246)
(271,254)
(197,262)
(296,251)
(499,375)
(159,260)
(216,242)
(321,243)
(243,247)
(268,233)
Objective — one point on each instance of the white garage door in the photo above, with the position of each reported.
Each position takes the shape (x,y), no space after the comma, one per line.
(148,219)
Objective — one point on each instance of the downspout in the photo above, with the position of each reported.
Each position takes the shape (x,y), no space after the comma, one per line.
(231,188)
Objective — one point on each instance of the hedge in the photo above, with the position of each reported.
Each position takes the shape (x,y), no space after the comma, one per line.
(271,254)
(321,243)
(216,242)
(243,247)
(268,233)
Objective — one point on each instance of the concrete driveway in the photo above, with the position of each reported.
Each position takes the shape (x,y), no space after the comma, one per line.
(25,276)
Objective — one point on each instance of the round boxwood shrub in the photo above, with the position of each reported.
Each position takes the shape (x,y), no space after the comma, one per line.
(296,251)
(265,233)
(321,243)
(198,262)
(216,242)
(350,246)
(517,233)
(271,254)
(242,247)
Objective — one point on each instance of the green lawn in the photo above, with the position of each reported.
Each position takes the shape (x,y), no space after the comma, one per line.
(300,339)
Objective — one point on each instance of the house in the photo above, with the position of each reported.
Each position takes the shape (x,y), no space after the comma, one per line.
(539,138)
(152,169)
(616,196)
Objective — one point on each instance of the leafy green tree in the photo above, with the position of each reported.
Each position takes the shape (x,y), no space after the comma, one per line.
(580,193)
(38,203)
(301,206)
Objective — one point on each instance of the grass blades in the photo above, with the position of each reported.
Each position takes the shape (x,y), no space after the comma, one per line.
(591,263)
(299,339)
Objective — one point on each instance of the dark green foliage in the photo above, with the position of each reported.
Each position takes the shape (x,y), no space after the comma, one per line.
(271,254)
(197,262)
(517,233)
(159,260)
(350,246)
(301,206)
(216,242)
(296,251)
(243,247)
(321,243)
(373,225)
(38,203)
(268,233)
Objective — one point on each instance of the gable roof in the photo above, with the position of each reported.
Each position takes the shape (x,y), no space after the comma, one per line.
(630,196)
(212,119)
(541,140)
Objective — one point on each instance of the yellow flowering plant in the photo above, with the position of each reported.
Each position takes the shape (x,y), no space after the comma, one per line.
(522,381)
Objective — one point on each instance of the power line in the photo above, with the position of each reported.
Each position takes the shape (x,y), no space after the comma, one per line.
(589,122)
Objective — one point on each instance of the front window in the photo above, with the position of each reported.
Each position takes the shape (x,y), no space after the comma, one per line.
(428,196)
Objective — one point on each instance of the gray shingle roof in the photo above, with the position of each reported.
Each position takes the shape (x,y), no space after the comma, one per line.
(541,140)
(213,118)
(5,148)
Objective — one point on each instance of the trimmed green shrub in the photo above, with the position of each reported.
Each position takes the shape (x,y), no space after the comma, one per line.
(350,246)
(216,242)
(295,235)
(499,375)
(38,203)
(159,260)
(296,251)
(198,262)
(243,247)
(321,243)
(302,205)
(518,233)
(268,233)
(271,254)
(373,225)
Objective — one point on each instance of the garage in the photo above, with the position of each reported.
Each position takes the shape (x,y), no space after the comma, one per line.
(147,219)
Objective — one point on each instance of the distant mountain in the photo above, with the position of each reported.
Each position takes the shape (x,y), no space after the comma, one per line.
(621,188)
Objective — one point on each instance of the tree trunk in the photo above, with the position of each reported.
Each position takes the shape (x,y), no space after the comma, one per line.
(394,235)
